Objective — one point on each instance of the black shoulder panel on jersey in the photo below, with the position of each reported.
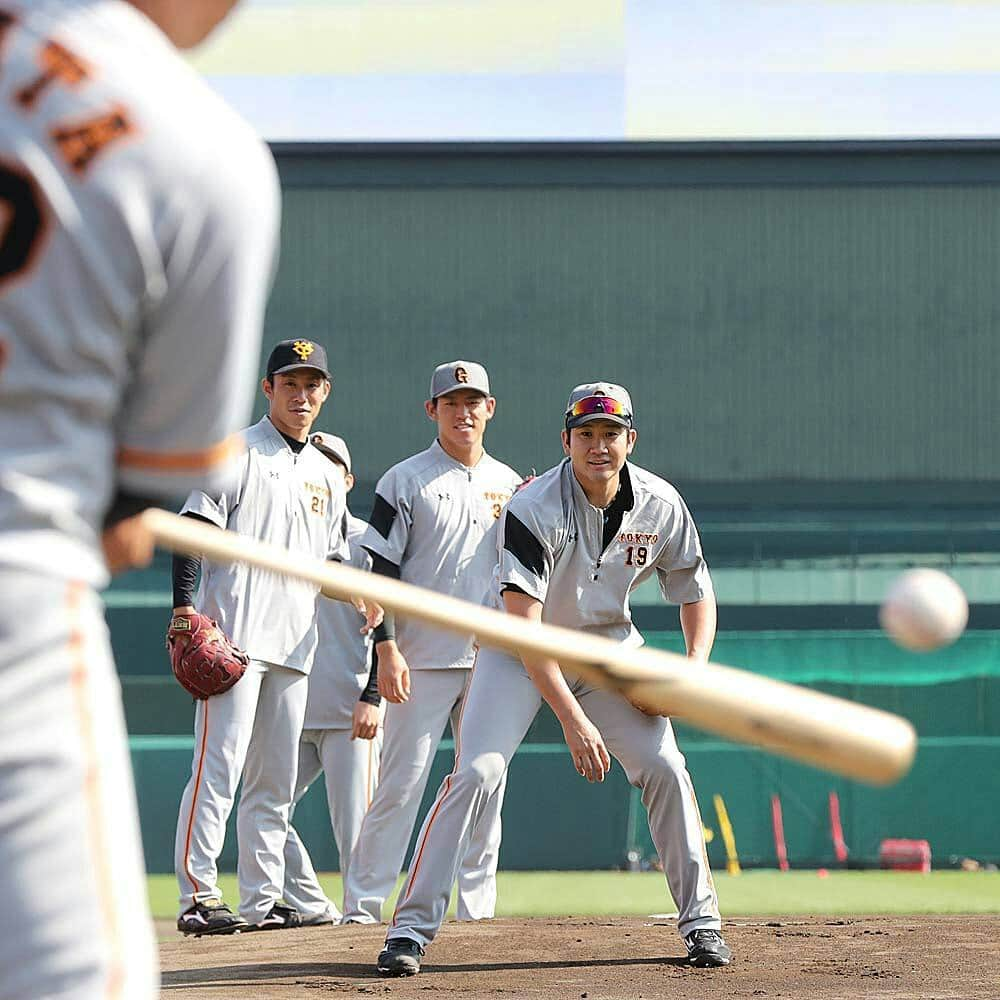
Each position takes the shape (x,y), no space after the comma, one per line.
(522,544)
(383,514)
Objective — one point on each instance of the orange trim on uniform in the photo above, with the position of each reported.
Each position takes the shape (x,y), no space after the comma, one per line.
(181,461)
(194,801)
(423,843)
(370,779)
(418,856)
(92,794)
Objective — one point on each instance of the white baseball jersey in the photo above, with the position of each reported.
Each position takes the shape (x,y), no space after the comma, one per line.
(134,268)
(296,501)
(551,546)
(436,519)
(343,657)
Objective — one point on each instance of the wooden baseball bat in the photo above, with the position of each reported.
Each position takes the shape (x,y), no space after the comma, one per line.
(818,729)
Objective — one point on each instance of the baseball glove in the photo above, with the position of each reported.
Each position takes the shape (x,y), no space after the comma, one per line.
(204,661)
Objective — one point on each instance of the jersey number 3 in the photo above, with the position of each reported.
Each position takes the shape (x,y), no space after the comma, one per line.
(22,222)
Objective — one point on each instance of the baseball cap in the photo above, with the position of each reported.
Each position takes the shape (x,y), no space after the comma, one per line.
(300,353)
(459,375)
(598,401)
(333,447)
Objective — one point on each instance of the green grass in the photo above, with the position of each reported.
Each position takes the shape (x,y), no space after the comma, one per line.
(762,892)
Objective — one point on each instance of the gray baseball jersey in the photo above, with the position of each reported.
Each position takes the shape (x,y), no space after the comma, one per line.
(138,227)
(436,519)
(293,500)
(343,656)
(133,275)
(551,546)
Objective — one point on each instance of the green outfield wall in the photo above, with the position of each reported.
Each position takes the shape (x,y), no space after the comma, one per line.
(812,317)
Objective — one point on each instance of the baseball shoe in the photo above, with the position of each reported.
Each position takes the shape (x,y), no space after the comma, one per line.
(280,917)
(706,949)
(324,919)
(211,916)
(399,957)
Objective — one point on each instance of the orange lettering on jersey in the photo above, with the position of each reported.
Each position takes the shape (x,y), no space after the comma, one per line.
(59,65)
(7,21)
(80,144)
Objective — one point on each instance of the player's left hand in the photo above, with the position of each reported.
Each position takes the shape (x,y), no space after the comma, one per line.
(373,613)
(364,723)
(128,544)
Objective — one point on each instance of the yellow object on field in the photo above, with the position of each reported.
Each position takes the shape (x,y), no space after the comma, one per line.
(732,860)
(708,833)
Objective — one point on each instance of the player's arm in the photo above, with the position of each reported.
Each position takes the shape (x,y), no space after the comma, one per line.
(209,258)
(185,575)
(590,756)
(386,541)
(365,719)
(698,623)
(393,672)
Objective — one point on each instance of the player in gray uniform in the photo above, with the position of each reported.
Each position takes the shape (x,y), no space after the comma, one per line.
(289,494)
(573,544)
(137,245)
(342,734)
(433,524)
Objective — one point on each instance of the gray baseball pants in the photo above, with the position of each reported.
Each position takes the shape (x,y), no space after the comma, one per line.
(500,706)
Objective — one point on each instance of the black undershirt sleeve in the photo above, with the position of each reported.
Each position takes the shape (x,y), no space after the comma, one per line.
(387,630)
(185,571)
(370,694)
(125,505)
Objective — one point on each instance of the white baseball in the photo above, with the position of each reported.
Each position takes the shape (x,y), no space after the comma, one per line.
(924,609)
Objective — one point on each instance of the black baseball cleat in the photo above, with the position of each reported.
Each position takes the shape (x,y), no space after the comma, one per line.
(211,916)
(280,917)
(706,949)
(400,957)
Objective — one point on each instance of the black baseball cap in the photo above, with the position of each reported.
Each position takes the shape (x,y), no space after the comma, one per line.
(300,353)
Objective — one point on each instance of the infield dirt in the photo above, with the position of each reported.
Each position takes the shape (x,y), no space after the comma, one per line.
(814,958)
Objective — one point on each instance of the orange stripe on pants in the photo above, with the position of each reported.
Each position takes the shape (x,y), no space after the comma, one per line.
(194,801)
(92,793)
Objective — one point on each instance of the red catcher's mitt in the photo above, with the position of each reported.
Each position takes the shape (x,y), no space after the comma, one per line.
(204,661)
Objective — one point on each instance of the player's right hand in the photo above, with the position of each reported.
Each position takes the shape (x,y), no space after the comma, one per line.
(128,544)
(590,756)
(393,673)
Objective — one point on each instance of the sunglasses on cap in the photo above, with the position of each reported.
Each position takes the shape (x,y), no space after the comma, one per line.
(598,404)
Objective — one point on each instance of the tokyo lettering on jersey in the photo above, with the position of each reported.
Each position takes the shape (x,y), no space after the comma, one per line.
(134,268)
(551,546)
(343,656)
(436,519)
(293,500)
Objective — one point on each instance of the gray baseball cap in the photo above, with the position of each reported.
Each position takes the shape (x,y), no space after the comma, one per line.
(598,401)
(333,447)
(459,375)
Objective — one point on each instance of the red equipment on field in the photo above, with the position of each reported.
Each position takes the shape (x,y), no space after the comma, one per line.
(905,855)
(836,830)
(779,833)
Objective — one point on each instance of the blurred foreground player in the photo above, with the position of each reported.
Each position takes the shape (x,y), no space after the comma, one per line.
(134,267)
(573,545)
